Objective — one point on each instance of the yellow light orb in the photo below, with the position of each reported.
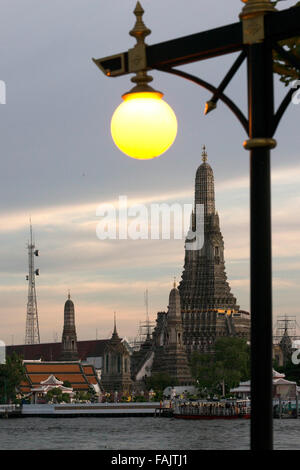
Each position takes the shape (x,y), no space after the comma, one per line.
(144,126)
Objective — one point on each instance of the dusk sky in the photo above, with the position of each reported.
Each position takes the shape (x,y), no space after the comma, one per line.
(59,163)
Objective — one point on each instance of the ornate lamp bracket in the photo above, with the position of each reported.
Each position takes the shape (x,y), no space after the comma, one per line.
(252,17)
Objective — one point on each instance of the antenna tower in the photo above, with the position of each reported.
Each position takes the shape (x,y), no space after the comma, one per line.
(286,324)
(145,328)
(32,335)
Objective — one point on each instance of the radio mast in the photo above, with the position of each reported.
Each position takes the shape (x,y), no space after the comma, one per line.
(32,335)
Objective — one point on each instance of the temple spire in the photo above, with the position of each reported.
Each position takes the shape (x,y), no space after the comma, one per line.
(204,285)
(69,350)
(204,186)
(115,333)
(204,154)
(115,324)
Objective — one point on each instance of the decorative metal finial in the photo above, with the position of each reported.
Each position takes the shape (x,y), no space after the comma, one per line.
(137,61)
(140,30)
(69,295)
(204,154)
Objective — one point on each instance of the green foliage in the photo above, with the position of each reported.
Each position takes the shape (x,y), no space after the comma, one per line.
(287,72)
(159,381)
(291,371)
(217,373)
(85,396)
(54,395)
(12,373)
(66,398)
(67,384)
(139,398)
(234,353)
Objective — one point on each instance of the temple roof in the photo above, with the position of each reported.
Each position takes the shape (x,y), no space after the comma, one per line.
(52,351)
(56,373)
(52,380)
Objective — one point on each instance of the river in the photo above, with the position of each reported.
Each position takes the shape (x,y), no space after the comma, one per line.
(138,434)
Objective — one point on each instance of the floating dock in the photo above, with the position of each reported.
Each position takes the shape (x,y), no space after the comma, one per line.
(104,410)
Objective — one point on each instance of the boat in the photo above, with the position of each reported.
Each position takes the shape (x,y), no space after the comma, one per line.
(233,409)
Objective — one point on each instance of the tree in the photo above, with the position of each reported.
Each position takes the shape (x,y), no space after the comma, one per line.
(234,353)
(217,373)
(12,373)
(158,382)
(84,396)
(67,384)
(54,395)
(291,371)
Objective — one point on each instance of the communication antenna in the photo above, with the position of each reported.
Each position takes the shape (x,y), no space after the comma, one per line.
(32,334)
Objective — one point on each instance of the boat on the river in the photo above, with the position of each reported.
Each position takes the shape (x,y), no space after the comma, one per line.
(237,409)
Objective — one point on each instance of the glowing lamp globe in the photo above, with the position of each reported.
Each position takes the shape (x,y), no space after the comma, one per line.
(144,126)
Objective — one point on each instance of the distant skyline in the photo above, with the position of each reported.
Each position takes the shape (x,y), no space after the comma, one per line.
(58,163)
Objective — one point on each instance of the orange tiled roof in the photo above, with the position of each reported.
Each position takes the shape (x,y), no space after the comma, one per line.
(75,373)
(91,379)
(57,367)
(72,378)
(88,370)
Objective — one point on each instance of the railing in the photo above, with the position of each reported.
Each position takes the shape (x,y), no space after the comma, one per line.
(8,409)
(208,410)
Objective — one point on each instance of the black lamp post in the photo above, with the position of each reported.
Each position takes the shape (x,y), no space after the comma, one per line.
(256,36)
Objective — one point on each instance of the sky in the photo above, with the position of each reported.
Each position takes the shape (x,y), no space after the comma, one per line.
(59,163)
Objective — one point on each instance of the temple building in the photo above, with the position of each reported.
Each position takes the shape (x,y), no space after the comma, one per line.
(208,307)
(101,365)
(69,338)
(200,310)
(116,373)
(203,307)
(170,354)
(39,392)
(81,378)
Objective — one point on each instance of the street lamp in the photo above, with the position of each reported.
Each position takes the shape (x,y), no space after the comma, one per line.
(256,37)
(144,126)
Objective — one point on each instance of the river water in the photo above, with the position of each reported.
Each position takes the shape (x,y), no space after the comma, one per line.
(138,434)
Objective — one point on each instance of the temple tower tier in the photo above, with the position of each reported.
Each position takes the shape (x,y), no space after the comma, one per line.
(172,358)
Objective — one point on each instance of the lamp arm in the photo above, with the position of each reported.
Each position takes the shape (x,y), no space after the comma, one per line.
(231,105)
(228,77)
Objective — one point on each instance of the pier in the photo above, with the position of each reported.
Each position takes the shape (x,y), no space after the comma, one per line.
(9,411)
(104,410)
